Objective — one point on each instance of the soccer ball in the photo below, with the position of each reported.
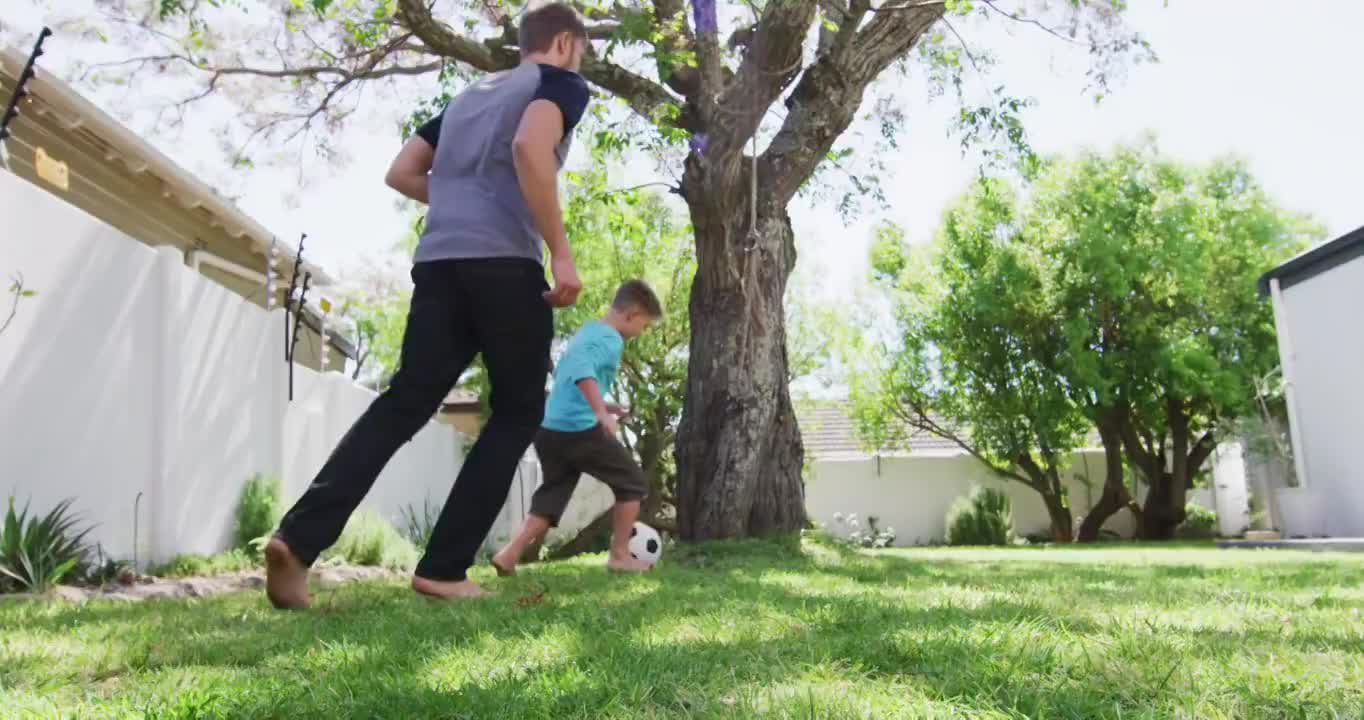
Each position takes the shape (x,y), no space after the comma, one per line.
(645,543)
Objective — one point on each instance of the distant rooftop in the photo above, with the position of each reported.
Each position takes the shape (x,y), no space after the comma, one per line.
(827,429)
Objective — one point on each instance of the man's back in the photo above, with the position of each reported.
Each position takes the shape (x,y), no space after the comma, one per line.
(476,208)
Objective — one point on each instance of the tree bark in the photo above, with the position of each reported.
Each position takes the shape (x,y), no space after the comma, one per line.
(739,452)
(1062,525)
(1115,496)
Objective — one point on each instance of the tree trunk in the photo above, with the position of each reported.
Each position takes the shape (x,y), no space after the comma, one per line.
(1062,526)
(1115,496)
(1164,510)
(739,451)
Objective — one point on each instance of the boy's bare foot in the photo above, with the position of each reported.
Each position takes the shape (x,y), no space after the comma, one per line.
(505,566)
(448,590)
(286,577)
(627,564)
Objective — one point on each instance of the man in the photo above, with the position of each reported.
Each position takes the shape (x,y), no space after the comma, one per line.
(487,167)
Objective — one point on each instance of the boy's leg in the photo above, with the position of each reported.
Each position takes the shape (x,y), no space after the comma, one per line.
(513,326)
(436,349)
(623,517)
(559,479)
(605,458)
(533,530)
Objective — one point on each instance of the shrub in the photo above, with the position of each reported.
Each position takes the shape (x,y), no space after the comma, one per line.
(39,552)
(984,517)
(1199,523)
(258,511)
(195,565)
(418,524)
(369,539)
(106,569)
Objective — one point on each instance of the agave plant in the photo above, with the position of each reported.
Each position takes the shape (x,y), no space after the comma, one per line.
(38,552)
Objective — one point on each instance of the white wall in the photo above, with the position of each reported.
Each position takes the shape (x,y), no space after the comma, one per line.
(128,373)
(912,494)
(1326,334)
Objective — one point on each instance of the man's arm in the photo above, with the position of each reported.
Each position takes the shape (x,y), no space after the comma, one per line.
(537,171)
(408,173)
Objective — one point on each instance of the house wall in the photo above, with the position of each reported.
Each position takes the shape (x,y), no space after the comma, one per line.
(1326,337)
(150,394)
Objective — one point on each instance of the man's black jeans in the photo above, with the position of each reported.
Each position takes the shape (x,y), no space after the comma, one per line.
(460,308)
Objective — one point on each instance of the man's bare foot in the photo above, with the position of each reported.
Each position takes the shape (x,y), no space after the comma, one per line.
(503,564)
(448,590)
(627,564)
(286,577)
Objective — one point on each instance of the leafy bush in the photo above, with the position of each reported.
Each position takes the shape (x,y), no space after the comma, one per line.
(984,517)
(1199,523)
(106,569)
(258,511)
(195,565)
(871,537)
(39,552)
(418,524)
(369,539)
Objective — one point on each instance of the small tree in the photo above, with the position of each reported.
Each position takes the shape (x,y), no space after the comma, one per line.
(1153,268)
(972,363)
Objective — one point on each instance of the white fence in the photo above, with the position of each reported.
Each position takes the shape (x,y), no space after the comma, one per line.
(149,394)
(912,494)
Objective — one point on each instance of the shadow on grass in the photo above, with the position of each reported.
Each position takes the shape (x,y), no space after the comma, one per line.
(707,637)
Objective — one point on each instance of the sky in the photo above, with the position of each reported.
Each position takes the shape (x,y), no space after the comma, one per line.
(1278,84)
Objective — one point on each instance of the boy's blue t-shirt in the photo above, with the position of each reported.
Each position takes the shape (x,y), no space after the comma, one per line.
(594,352)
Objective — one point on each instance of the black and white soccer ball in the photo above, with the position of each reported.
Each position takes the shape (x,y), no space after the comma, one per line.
(645,543)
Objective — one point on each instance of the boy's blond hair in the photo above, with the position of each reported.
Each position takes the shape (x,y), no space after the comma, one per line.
(637,293)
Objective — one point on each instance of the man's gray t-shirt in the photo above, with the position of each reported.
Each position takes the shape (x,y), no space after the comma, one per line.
(476,209)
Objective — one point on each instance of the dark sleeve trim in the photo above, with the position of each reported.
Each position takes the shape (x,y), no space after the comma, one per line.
(430,130)
(565,89)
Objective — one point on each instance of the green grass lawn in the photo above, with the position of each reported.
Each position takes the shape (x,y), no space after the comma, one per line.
(737,630)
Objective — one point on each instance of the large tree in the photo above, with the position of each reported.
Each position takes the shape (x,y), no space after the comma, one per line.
(749,99)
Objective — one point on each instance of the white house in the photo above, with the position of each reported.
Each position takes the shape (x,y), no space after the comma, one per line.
(1318,300)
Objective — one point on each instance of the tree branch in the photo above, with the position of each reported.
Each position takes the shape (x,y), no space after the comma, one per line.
(1201,451)
(642,95)
(826,99)
(918,419)
(773,60)
(1029,21)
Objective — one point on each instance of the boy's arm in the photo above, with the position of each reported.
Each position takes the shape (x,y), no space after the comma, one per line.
(408,173)
(592,393)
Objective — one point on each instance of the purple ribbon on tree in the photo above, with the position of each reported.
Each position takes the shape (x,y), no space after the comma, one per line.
(698,143)
(703,17)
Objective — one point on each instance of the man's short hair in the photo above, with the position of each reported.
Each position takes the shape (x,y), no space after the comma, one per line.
(637,293)
(540,26)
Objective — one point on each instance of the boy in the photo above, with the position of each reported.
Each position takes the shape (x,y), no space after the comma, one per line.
(579,433)
(487,167)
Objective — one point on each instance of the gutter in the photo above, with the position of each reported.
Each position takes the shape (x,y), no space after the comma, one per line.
(139,156)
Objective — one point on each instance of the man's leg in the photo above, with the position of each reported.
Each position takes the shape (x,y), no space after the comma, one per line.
(437,347)
(514,327)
